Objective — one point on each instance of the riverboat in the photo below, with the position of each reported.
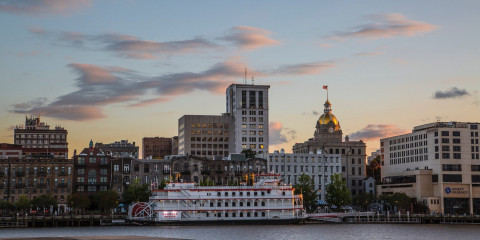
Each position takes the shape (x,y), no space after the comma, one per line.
(266,201)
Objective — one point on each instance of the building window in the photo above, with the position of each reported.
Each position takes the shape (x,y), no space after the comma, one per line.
(452,177)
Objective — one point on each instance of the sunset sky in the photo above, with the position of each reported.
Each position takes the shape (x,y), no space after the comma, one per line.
(111,70)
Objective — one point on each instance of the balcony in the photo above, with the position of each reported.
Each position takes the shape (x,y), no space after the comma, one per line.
(19,185)
(62,174)
(20,174)
(166,171)
(185,172)
(41,173)
(205,172)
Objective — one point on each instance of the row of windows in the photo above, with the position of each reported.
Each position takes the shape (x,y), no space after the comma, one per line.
(234,214)
(252,139)
(252,126)
(91,188)
(26,182)
(209,125)
(209,132)
(408,159)
(306,169)
(36,170)
(252,119)
(209,139)
(252,112)
(312,159)
(251,132)
(41,136)
(448,156)
(408,139)
(252,146)
(409,145)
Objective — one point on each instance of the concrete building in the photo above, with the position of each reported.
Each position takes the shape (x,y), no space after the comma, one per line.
(119,149)
(438,163)
(318,166)
(175,145)
(157,147)
(248,104)
(35,176)
(92,170)
(37,139)
(328,139)
(205,136)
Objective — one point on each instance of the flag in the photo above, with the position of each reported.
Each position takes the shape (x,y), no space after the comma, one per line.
(325,87)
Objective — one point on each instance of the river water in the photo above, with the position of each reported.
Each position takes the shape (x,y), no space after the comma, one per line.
(264,232)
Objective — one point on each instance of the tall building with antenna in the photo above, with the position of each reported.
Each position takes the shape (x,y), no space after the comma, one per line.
(248,104)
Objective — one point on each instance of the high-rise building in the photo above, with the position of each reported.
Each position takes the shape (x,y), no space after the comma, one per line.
(204,135)
(328,139)
(438,163)
(37,139)
(156,147)
(248,104)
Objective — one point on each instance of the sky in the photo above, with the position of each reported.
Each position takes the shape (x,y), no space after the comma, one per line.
(112,70)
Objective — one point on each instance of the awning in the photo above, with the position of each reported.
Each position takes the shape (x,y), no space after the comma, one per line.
(322,202)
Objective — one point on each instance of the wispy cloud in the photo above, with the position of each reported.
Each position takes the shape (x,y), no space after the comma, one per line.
(249,38)
(301,69)
(386,26)
(279,134)
(42,7)
(377,131)
(127,46)
(369,53)
(453,92)
(99,86)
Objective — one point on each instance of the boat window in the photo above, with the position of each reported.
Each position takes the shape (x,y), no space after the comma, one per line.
(256,214)
(248,204)
(263,203)
(241,214)
(241,193)
(255,193)
(248,214)
(263,193)
(233,193)
(241,204)
(248,193)
(283,193)
(218,194)
(255,204)
(234,204)
(234,214)
(211,204)
(263,214)
(219,204)
(226,193)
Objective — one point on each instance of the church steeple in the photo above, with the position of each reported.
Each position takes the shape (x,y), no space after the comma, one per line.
(91,143)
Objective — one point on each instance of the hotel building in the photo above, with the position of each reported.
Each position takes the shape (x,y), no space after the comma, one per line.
(438,163)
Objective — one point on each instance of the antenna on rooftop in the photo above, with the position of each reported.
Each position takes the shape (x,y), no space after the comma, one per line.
(245,77)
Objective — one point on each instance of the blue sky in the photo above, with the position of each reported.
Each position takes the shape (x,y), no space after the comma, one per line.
(111,70)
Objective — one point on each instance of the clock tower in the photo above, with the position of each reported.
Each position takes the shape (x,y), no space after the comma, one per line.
(328,128)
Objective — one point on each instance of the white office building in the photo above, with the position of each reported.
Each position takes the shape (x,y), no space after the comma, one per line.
(316,165)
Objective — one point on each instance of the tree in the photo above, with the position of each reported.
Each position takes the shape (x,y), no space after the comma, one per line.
(374,169)
(400,200)
(23,203)
(106,200)
(249,153)
(136,193)
(78,201)
(6,207)
(337,191)
(207,182)
(44,201)
(305,186)
(363,201)
(163,183)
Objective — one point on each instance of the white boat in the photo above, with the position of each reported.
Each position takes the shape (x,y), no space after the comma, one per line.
(267,201)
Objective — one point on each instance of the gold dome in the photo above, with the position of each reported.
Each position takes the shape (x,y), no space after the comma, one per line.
(326,118)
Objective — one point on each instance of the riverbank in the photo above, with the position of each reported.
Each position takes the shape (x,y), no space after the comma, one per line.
(94,238)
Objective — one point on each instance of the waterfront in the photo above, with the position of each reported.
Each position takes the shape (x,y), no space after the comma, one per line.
(265,232)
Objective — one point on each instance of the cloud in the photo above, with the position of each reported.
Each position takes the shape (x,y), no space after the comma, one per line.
(278,134)
(42,7)
(99,86)
(454,92)
(377,131)
(132,47)
(249,38)
(301,69)
(386,26)
(314,113)
(369,54)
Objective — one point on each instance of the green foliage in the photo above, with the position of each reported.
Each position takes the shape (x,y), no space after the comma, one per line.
(23,203)
(44,201)
(374,169)
(305,186)
(207,182)
(163,184)
(337,191)
(4,205)
(78,201)
(400,200)
(363,201)
(106,200)
(420,207)
(233,183)
(136,193)
(249,153)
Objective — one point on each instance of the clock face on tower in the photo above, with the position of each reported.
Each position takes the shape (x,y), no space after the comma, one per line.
(331,130)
